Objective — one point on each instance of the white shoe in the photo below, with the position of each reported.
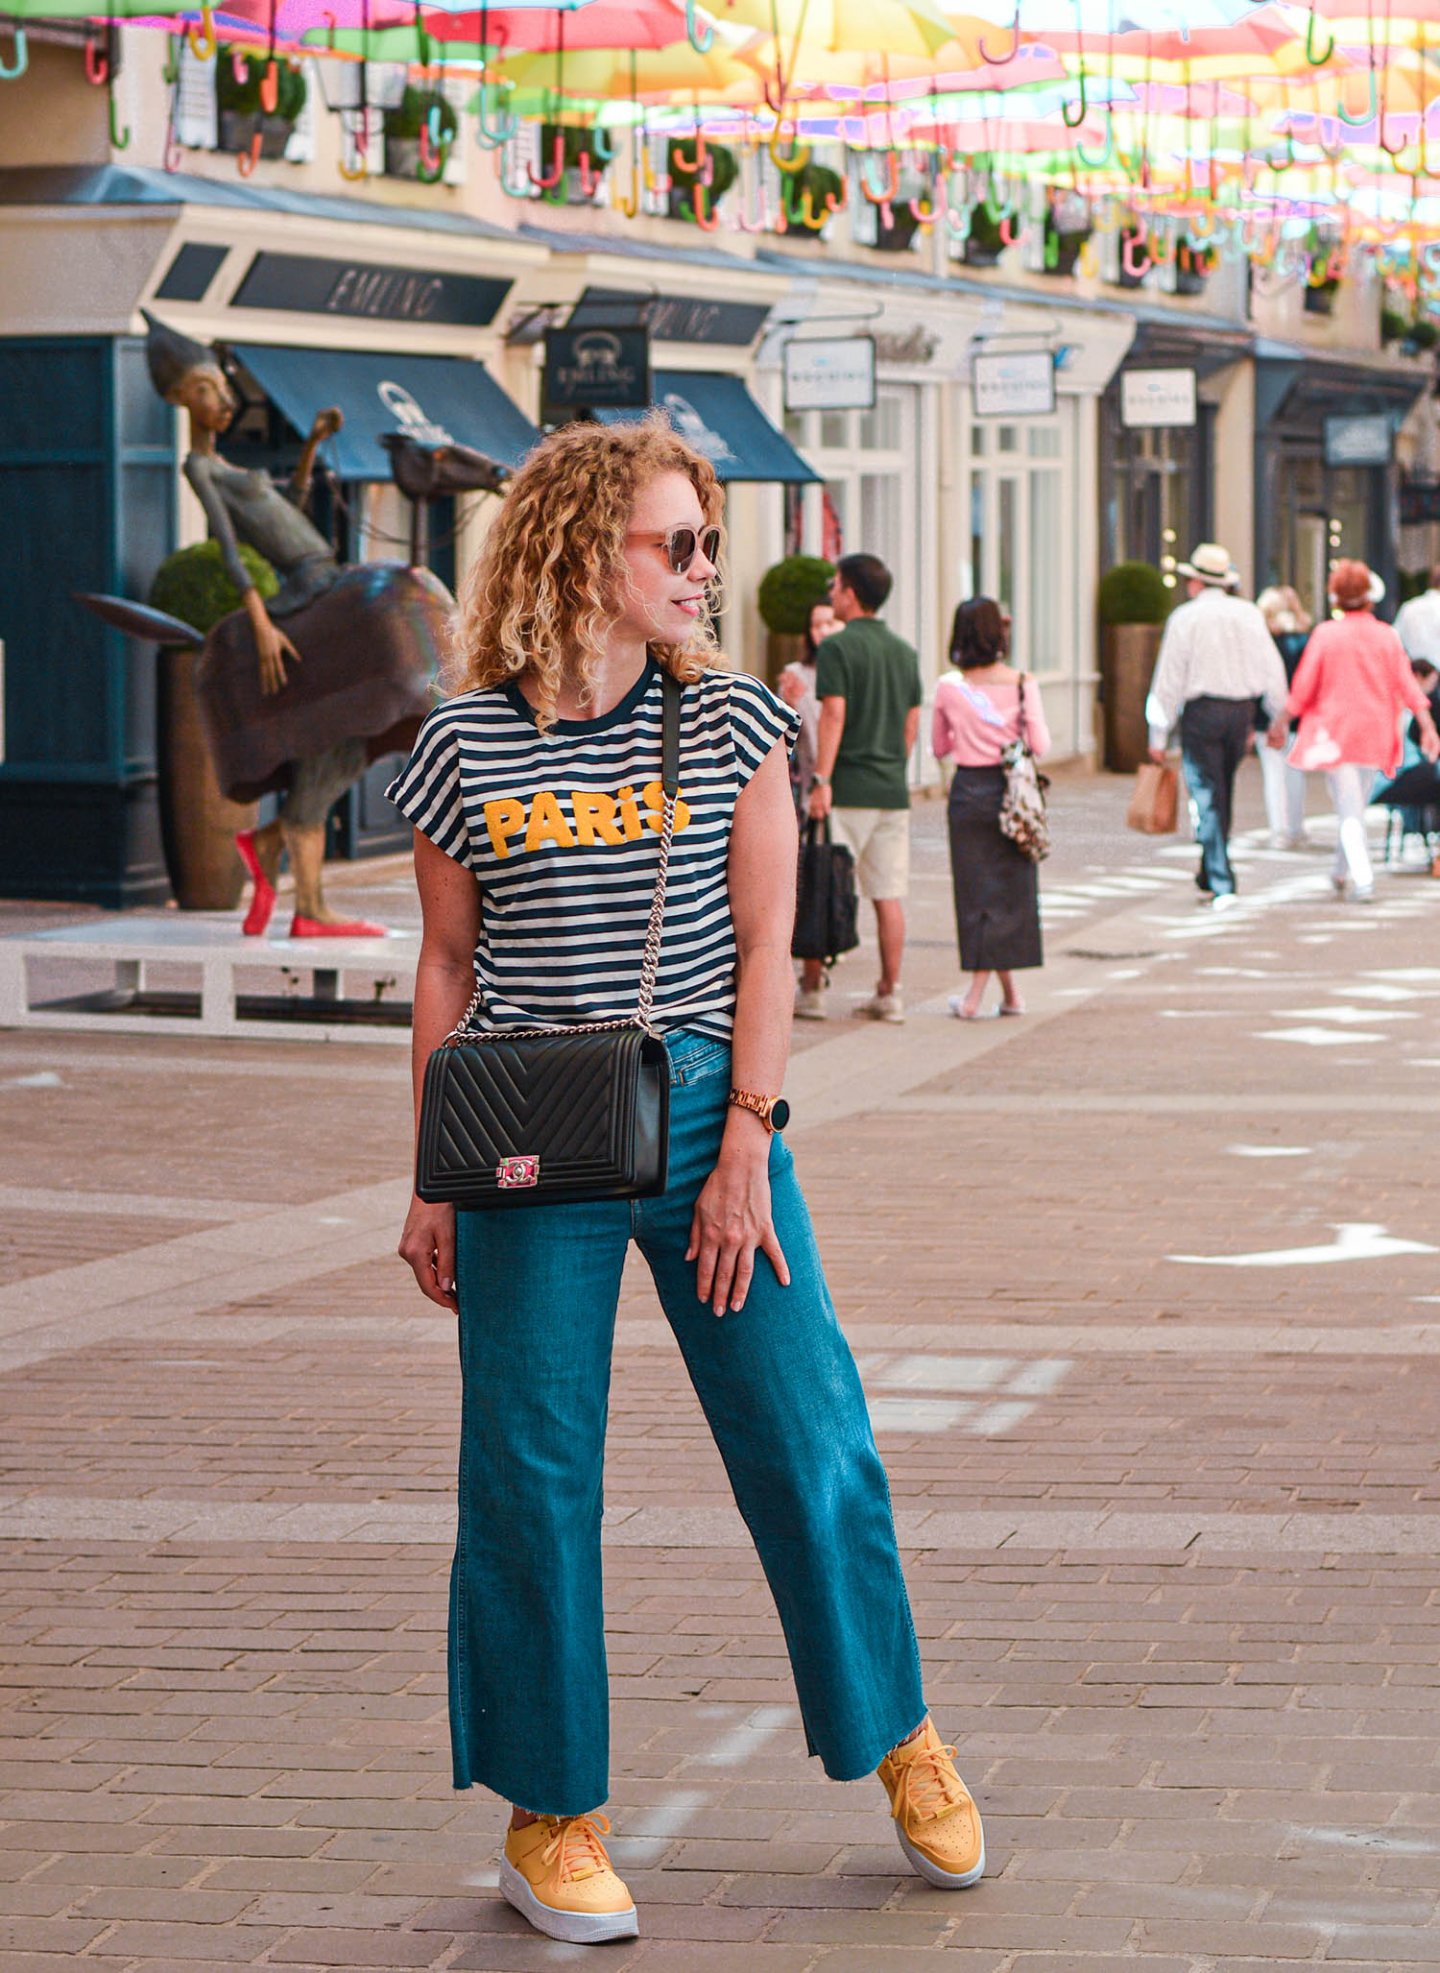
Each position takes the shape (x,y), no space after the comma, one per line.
(956,1004)
(810,1005)
(1363,894)
(886,1007)
(1224,901)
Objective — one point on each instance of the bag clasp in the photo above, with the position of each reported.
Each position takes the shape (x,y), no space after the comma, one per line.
(511,1174)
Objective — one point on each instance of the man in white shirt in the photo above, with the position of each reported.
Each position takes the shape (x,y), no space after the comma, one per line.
(1418,623)
(1216,659)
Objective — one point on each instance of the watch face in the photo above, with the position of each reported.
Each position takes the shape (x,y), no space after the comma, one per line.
(780,1114)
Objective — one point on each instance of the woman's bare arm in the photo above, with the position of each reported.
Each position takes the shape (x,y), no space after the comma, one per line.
(444,982)
(732,1215)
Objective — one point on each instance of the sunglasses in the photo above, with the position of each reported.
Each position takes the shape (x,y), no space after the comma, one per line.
(683,544)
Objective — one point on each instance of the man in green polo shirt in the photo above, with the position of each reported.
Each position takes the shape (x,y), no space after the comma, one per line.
(868,685)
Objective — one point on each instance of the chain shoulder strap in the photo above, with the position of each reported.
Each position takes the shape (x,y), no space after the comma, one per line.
(671,693)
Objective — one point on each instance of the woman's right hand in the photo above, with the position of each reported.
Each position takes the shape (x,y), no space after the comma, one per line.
(274,647)
(428,1246)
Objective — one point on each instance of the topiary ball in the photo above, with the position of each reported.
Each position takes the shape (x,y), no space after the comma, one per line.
(192,584)
(789,592)
(1134,592)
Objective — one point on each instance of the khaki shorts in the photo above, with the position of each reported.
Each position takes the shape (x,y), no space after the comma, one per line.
(879,841)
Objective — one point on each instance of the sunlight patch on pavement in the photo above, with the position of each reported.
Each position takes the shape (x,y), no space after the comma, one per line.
(1319,1037)
(1269,1150)
(1010,1381)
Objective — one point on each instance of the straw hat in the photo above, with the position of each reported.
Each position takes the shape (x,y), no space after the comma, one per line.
(1211,564)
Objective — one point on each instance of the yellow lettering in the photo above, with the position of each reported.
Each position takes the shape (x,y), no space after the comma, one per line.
(594,817)
(502,819)
(547,823)
(655,801)
(630,815)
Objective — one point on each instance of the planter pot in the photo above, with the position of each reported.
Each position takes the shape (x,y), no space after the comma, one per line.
(981,256)
(1319,301)
(197,824)
(781,649)
(402,159)
(238,128)
(1127,661)
(1067,253)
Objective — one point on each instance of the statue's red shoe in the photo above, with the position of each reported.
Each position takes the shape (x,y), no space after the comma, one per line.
(262,904)
(353,928)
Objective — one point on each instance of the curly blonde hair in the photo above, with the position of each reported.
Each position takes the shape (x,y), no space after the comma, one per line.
(549,578)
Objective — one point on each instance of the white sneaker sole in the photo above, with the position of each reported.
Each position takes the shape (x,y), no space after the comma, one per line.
(945,1880)
(576,1928)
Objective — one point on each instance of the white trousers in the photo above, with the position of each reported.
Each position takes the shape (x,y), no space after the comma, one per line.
(1349,787)
(1284,790)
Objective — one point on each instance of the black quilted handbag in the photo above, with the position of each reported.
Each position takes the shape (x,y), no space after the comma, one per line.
(553,1116)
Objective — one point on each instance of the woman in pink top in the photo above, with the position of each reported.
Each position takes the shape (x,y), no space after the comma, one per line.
(980,708)
(1349,691)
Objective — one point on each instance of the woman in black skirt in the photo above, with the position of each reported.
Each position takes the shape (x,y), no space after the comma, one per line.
(980,707)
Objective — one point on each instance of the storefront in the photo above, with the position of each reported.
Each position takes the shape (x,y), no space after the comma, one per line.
(1326,481)
(1158,441)
(90,456)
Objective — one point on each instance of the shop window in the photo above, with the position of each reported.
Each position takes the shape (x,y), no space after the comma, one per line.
(880,427)
(834,430)
(1046,559)
(1007,438)
(1044,441)
(979,440)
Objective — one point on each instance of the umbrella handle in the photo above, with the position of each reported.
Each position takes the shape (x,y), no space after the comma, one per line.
(706,217)
(1368,115)
(270,88)
(797,157)
(1130,248)
(1082,109)
(11,71)
(119,139)
(891,189)
(246,161)
(97,61)
(602,144)
(700,38)
(1316,61)
(488,137)
(1003,61)
(1107,149)
(691,166)
(201,39)
(547,181)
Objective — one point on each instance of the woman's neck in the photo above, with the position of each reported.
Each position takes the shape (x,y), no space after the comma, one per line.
(615,672)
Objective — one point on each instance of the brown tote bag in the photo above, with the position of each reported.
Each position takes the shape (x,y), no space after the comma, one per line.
(1155,804)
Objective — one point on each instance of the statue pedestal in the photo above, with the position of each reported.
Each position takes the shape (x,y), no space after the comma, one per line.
(200,975)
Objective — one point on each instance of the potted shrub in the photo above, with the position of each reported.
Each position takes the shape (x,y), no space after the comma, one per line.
(717,173)
(822,184)
(1193,266)
(1420,335)
(1067,228)
(983,244)
(896,237)
(789,591)
(238,77)
(197,823)
(418,109)
(1133,603)
(581,160)
(1394,323)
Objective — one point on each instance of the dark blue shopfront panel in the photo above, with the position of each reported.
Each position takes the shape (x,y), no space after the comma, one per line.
(440,400)
(86,503)
(718,416)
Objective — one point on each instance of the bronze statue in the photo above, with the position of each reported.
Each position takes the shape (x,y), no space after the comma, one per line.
(301,693)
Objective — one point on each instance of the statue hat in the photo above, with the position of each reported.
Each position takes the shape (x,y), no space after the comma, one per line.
(172,356)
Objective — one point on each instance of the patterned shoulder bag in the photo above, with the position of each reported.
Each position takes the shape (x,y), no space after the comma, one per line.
(1022,812)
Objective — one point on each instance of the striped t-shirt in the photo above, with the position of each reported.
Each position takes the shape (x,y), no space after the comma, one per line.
(562,831)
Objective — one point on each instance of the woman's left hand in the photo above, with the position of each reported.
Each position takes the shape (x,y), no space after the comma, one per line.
(731,1223)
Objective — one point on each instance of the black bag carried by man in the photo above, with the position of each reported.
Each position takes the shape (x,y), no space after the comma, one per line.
(827,907)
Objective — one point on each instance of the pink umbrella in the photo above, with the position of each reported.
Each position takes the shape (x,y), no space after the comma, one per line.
(552,30)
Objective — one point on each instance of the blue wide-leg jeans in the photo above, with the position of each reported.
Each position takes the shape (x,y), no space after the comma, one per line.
(538,1288)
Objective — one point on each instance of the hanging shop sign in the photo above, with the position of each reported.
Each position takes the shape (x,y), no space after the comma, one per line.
(830,373)
(594,370)
(1151,398)
(1018,384)
(296,284)
(671,318)
(1367,439)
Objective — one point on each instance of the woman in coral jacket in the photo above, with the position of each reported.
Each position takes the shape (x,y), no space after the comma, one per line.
(1348,693)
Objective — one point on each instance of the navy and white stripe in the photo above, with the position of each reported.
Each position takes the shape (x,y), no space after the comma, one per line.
(563,920)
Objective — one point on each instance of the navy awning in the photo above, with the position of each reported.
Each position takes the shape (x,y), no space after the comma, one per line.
(439,400)
(717,415)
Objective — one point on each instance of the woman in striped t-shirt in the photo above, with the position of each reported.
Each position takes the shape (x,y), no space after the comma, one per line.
(536,802)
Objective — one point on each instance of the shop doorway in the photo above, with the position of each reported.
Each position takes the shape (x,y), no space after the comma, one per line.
(1018,550)
(869,462)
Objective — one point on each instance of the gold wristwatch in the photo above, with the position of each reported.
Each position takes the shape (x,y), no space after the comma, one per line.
(773,1111)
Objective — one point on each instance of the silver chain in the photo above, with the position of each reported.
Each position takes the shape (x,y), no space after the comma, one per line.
(649,969)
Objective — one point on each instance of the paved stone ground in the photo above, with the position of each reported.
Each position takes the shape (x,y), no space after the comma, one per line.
(1143,1291)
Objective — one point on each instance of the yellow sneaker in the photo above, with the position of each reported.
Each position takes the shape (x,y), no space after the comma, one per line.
(556,1873)
(936,1819)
